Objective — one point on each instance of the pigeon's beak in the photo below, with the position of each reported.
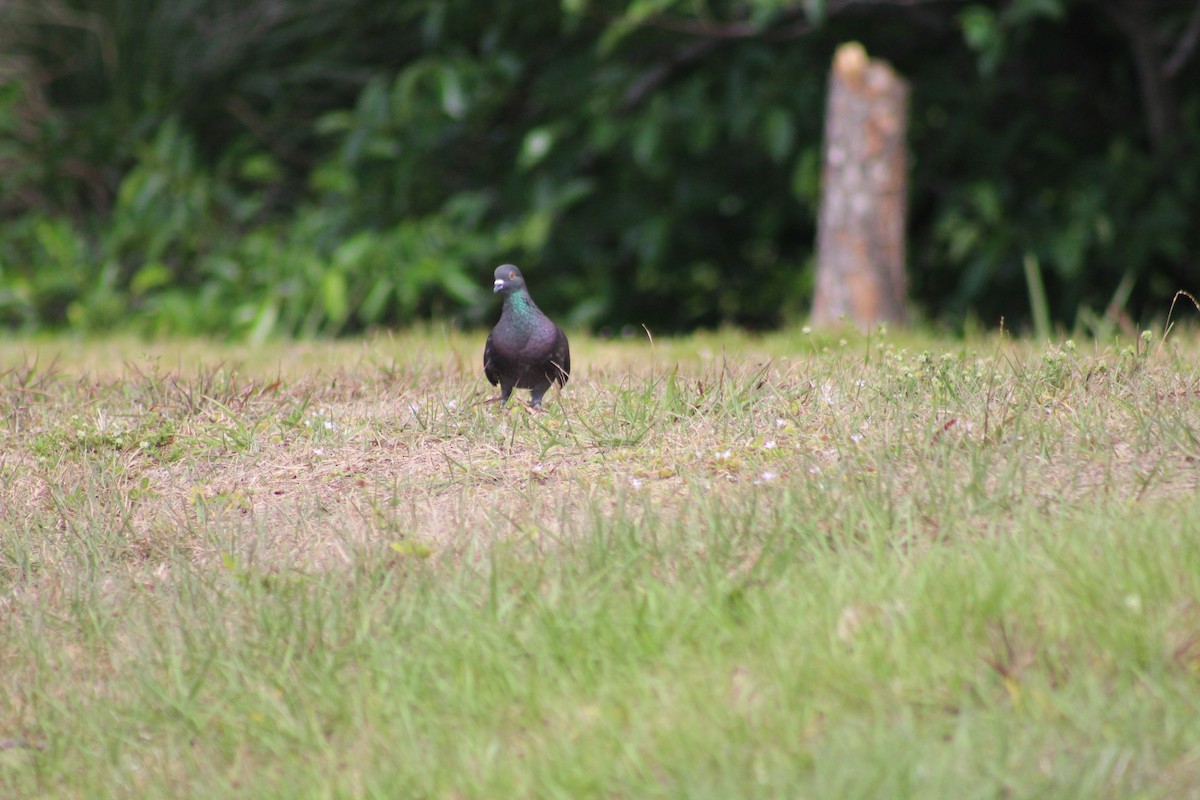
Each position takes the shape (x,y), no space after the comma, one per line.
(497,286)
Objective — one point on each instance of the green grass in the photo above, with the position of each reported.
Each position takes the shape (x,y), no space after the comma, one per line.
(720,566)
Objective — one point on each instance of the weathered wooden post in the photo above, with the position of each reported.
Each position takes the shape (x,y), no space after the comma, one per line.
(864,184)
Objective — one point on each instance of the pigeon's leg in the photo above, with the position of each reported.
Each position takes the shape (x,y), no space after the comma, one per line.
(505,391)
(536,394)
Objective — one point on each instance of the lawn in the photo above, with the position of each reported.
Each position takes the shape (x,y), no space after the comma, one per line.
(721,566)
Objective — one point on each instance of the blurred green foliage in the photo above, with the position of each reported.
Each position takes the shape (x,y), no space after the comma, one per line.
(257,168)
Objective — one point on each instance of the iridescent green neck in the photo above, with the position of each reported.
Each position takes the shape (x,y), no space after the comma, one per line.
(519,306)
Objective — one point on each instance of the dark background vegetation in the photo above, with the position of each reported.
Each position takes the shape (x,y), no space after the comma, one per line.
(264,167)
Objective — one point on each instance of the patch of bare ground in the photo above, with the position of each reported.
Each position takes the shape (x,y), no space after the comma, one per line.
(302,453)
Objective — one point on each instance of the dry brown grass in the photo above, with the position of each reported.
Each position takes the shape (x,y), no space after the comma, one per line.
(303,452)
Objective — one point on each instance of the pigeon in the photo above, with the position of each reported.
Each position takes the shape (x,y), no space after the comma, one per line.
(525,350)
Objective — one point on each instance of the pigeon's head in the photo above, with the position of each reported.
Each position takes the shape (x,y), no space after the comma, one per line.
(508,280)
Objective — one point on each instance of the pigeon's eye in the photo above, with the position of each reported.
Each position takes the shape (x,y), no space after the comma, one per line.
(512,276)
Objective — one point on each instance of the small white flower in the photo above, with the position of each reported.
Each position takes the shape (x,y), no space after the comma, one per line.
(780,422)
(318,451)
(769,444)
(766,477)
(329,425)
(856,437)
(814,470)
(635,483)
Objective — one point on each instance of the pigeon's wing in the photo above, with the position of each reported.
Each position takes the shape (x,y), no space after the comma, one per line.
(489,369)
(561,356)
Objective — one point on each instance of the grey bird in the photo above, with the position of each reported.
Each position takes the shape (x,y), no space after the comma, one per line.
(525,350)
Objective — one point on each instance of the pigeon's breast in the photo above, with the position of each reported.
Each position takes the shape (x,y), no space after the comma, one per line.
(524,357)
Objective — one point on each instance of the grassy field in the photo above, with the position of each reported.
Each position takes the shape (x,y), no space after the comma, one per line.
(715,567)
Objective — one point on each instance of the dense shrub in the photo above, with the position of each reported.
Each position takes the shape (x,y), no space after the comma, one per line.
(323,166)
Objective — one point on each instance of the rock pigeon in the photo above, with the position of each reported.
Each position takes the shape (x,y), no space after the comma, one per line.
(525,350)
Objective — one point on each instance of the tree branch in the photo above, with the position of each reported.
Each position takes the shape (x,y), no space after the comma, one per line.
(662,72)
(1158,99)
(790,22)
(732,30)
(1185,46)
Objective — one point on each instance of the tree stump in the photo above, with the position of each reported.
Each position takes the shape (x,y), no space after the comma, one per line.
(864,186)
